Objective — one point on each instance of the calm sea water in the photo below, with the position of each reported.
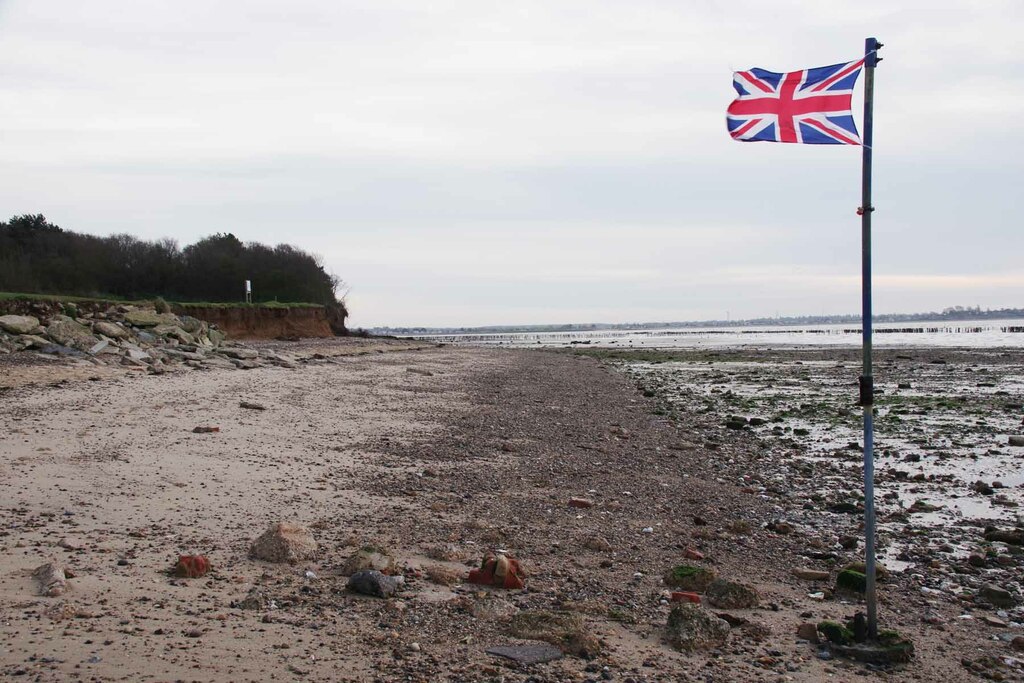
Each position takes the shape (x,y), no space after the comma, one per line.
(987,334)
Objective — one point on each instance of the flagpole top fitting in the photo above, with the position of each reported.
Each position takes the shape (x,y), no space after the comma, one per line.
(860,210)
(871,48)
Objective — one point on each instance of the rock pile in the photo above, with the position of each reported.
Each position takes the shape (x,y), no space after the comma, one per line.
(129,335)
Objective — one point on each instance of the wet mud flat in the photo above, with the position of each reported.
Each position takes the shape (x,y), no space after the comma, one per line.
(945,467)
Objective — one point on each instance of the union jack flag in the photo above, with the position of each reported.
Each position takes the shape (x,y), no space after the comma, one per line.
(810,107)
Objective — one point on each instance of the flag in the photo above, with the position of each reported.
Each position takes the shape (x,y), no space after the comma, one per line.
(810,107)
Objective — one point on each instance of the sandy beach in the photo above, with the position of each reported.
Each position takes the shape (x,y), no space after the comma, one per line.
(433,456)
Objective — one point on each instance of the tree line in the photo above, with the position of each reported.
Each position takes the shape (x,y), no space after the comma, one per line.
(41,258)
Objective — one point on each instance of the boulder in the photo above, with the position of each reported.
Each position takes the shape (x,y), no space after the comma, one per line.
(368,558)
(140,318)
(109,329)
(193,326)
(174,332)
(71,334)
(1000,597)
(690,628)
(239,352)
(689,577)
(811,574)
(19,324)
(31,341)
(216,337)
(284,542)
(52,580)
(732,595)
(372,582)
(564,630)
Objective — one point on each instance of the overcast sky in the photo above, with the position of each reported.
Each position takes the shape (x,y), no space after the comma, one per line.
(473,162)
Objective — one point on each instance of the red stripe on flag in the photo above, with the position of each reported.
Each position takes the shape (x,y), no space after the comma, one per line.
(840,75)
(744,128)
(756,81)
(829,131)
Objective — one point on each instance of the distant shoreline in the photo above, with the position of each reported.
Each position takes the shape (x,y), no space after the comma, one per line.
(947,316)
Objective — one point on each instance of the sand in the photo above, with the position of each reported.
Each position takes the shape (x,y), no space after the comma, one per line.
(433,454)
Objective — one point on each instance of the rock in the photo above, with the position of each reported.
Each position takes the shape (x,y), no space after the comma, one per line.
(109,329)
(372,582)
(441,575)
(692,554)
(31,341)
(174,332)
(684,596)
(994,621)
(690,628)
(1018,643)
(732,595)
(983,488)
(976,560)
(192,566)
(137,354)
(71,334)
(527,654)
(193,326)
(1000,597)
(257,599)
(598,543)
(808,631)
(216,337)
(581,503)
(780,527)
(1010,536)
(811,574)
(368,558)
(689,578)
(849,542)
(251,406)
(420,371)
(52,580)
(1016,441)
(239,352)
(140,318)
(498,570)
(205,430)
(19,324)
(100,347)
(564,630)
(881,572)
(284,542)
(852,580)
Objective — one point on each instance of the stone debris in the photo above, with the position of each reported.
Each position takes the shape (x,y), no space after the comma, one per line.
(372,582)
(284,542)
(129,336)
(690,628)
(251,406)
(205,430)
(52,580)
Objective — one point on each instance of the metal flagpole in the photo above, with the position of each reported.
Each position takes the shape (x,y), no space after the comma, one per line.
(871,47)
